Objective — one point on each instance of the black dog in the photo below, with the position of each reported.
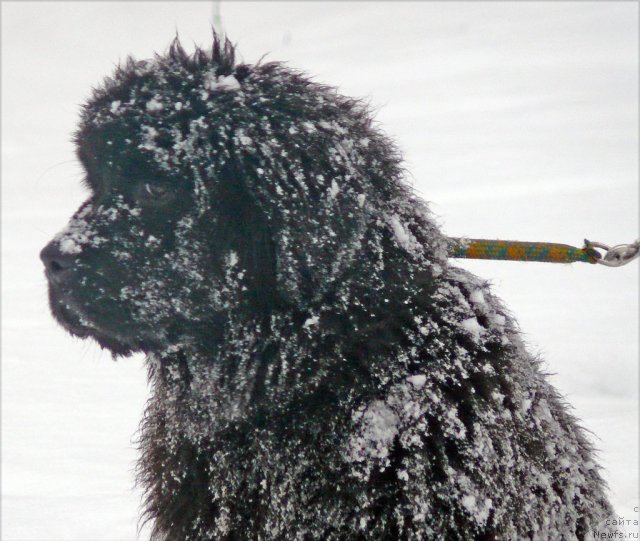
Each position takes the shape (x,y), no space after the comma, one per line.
(319,370)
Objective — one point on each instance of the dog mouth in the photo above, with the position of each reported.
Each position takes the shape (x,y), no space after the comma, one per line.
(104,322)
(67,312)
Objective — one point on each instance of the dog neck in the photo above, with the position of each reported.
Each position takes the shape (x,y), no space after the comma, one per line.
(287,363)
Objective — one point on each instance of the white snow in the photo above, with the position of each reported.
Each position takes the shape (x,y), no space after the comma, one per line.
(469,502)
(380,427)
(480,510)
(310,322)
(402,235)
(309,127)
(72,245)
(417,381)
(228,82)
(334,190)
(149,135)
(154,105)
(474,328)
(232,259)
(477,297)
(77,235)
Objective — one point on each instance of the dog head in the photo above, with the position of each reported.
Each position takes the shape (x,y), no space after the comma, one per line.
(217,188)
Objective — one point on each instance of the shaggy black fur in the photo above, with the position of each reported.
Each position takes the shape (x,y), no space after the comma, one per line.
(319,371)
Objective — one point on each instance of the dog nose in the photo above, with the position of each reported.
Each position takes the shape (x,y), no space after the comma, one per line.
(55,261)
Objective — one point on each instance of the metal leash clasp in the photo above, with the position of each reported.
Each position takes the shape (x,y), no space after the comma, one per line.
(615,256)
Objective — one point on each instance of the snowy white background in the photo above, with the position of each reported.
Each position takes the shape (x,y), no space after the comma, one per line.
(517,120)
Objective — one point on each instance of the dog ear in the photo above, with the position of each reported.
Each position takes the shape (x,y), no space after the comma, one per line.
(242,227)
(316,219)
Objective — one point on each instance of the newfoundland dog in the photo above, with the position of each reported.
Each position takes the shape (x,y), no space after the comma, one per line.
(319,370)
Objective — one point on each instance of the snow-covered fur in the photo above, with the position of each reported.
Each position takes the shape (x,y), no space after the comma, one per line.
(319,369)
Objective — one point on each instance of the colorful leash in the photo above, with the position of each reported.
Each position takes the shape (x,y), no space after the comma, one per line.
(512,250)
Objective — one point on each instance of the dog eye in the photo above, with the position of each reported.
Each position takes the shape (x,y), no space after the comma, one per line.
(154,194)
